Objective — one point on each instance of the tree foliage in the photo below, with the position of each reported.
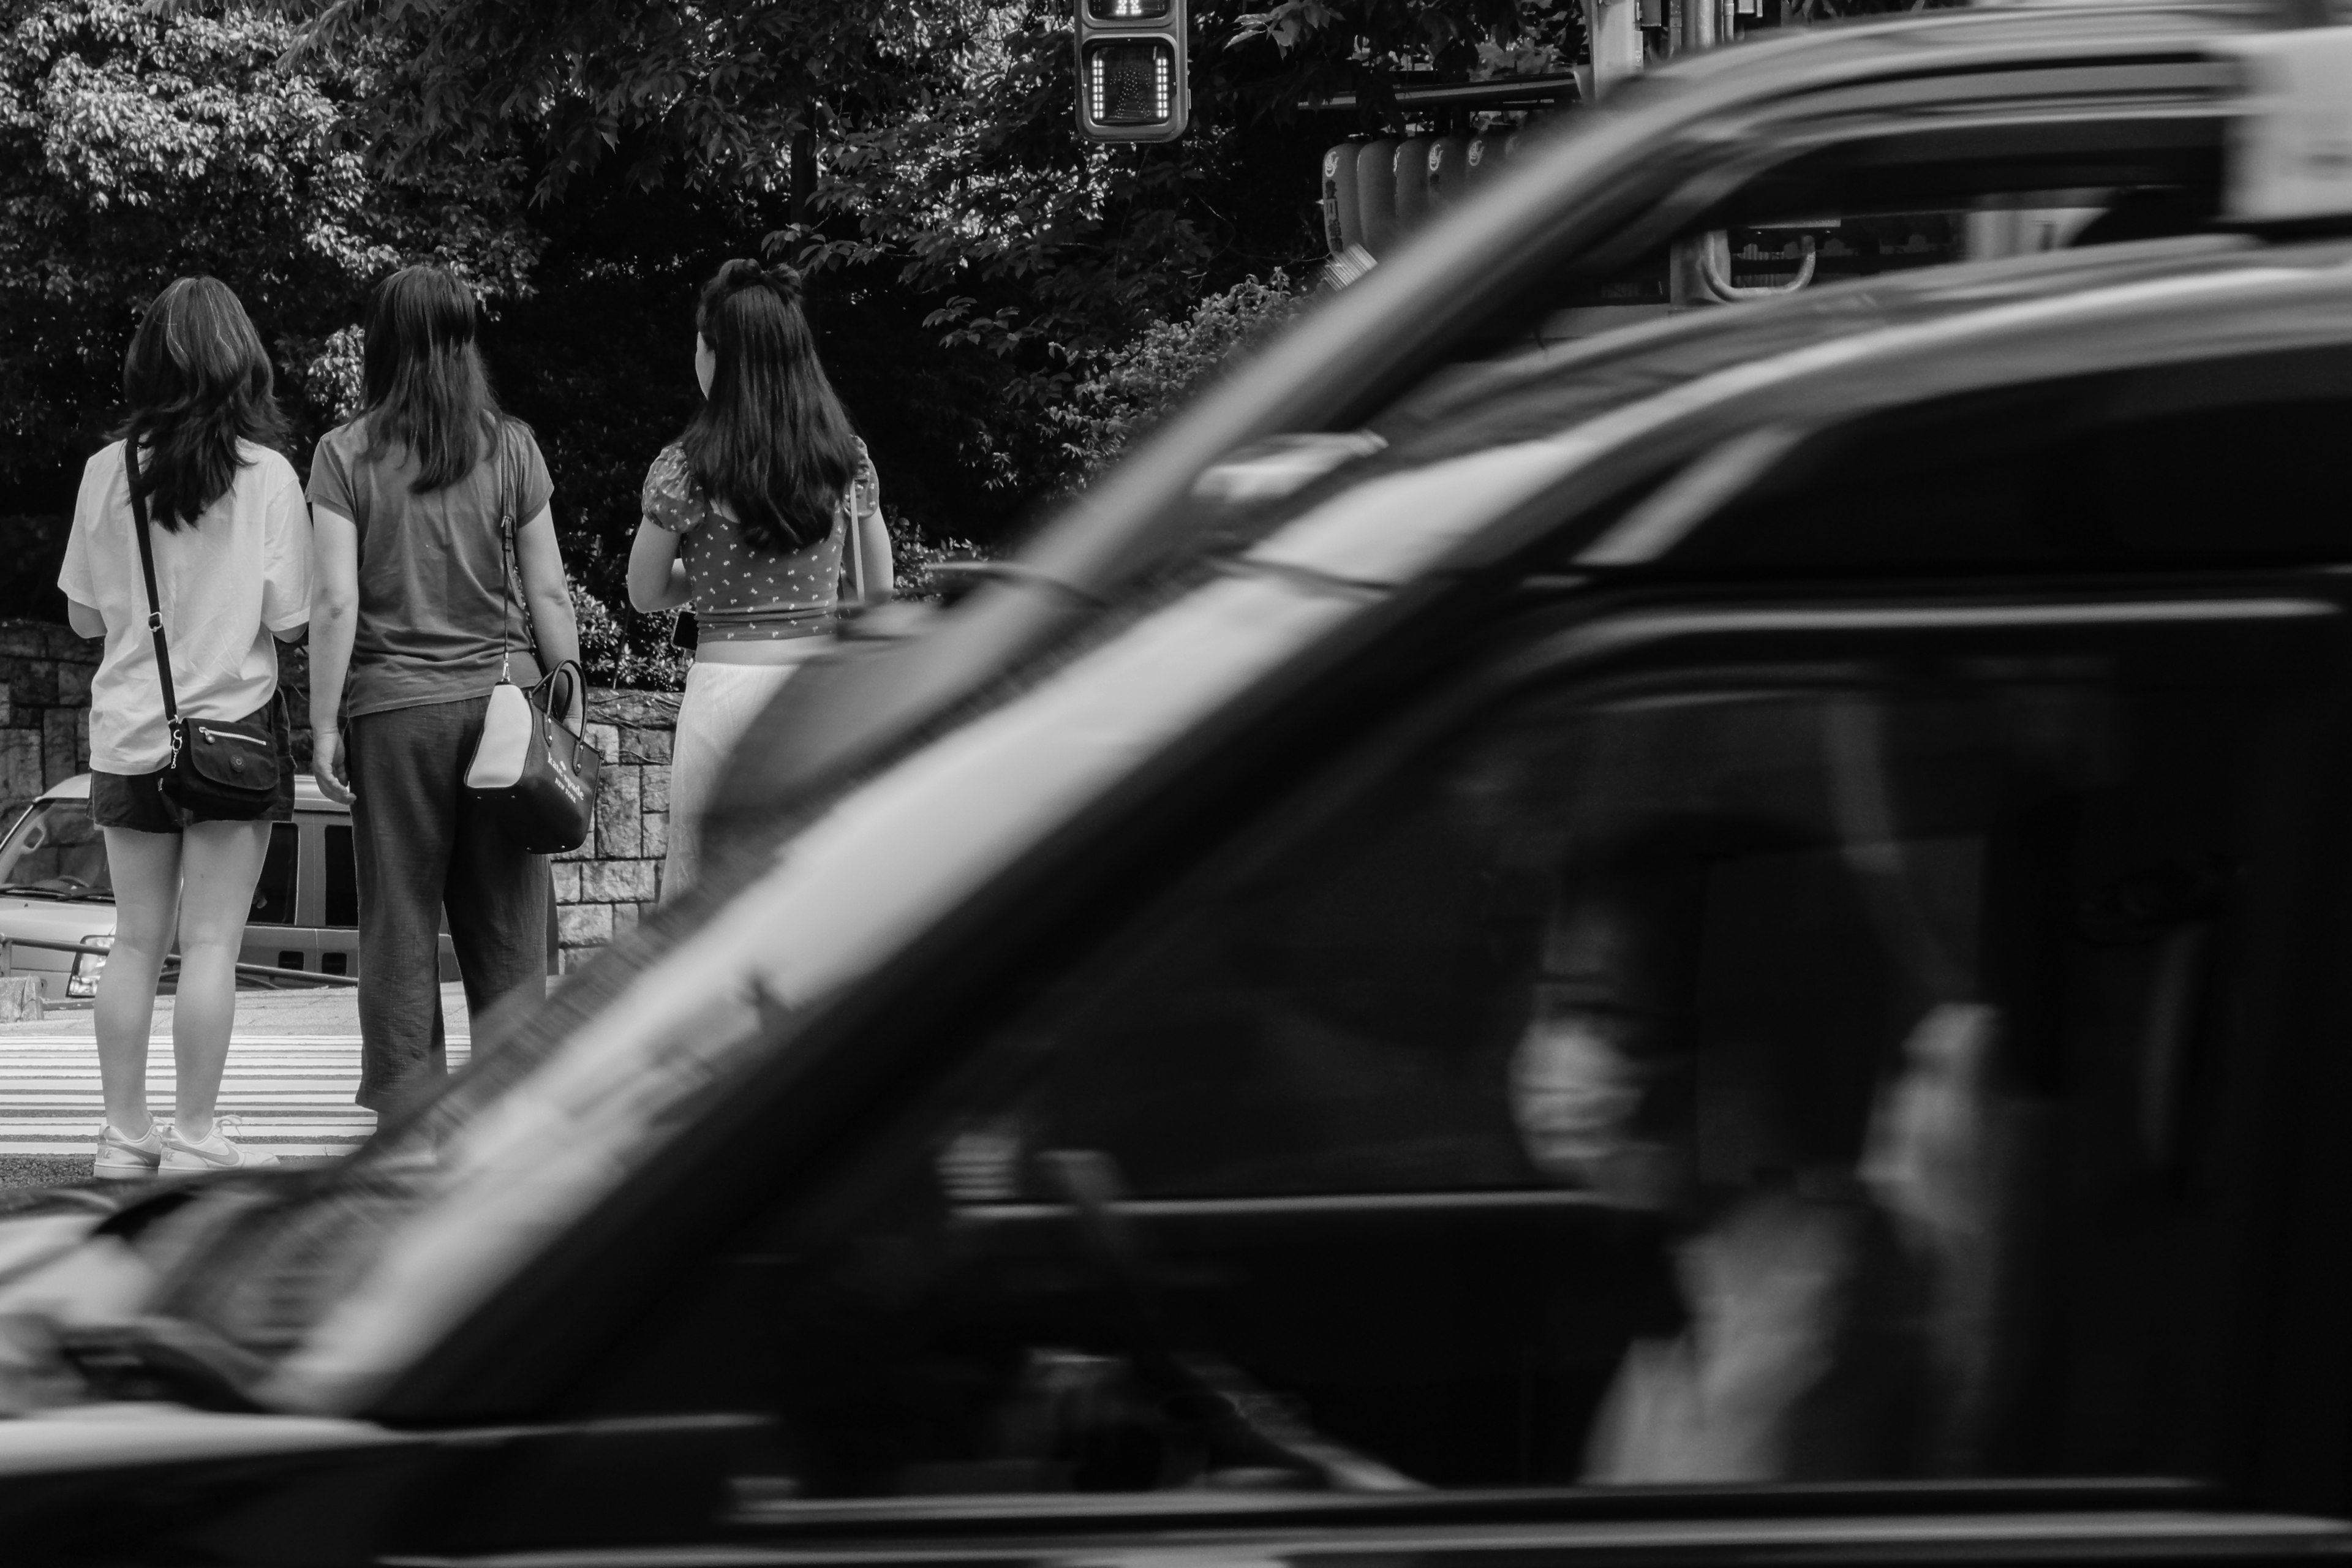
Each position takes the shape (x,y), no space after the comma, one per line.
(1001,303)
(135,148)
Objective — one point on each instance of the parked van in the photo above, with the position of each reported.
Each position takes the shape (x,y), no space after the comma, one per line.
(55,895)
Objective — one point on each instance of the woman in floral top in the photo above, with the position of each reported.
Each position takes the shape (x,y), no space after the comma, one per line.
(751,517)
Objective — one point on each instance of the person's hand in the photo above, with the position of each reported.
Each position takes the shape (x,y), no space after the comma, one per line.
(328,767)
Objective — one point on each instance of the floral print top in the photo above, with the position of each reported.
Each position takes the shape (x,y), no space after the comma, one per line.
(742,592)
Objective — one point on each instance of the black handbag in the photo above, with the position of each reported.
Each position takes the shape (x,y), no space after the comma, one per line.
(221,770)
(532,775)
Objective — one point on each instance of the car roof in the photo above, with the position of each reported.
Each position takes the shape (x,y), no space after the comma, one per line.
(307,795)
(1595,417)
(2027,73)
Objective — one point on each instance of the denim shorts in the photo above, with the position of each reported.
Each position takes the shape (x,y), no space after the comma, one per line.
(133,801)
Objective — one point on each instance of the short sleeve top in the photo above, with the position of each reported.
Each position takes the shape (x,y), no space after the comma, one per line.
(438,609)
(743,592)
(224,583)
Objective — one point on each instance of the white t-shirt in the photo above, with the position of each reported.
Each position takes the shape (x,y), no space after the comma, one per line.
(241,574)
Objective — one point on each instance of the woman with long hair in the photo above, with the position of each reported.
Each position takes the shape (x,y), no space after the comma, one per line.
(232,563)
(751,516)
(413,622)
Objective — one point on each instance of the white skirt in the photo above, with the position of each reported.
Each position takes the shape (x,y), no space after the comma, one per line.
(720,702)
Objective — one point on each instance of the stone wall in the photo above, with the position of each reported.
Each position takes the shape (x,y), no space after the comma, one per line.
(603,887)
(45,674)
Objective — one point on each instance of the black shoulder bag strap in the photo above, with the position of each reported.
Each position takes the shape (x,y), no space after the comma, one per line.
(509,567)
(154,604)
(511,595)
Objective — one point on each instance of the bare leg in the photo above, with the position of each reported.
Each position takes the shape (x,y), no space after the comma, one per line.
(145,868)
(219,865)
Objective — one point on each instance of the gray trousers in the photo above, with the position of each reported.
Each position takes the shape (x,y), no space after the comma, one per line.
(422,848)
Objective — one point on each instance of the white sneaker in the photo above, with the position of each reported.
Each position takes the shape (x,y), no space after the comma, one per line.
(214,1152)
(121,1159)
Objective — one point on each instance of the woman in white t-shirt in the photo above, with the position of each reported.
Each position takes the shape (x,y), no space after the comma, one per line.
(232,546)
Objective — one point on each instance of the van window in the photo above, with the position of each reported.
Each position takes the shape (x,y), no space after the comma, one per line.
(342,879)
(55,849)
(273,894)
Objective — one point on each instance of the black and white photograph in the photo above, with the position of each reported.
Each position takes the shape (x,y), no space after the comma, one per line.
(1142,784)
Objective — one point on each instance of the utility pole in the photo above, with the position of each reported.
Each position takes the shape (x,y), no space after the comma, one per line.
(1614,27)
(804,169)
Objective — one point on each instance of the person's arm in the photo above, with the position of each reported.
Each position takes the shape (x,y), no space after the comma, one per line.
(876,573)
(550,598)
(869,535)
(286,586)
(334,622)
(657,579)
(74,576)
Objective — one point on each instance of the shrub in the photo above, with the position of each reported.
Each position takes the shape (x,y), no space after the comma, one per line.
(606,653)
(912,558)
(1131,387)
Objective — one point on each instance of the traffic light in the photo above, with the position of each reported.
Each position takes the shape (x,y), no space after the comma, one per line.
(1377,192)
(1132,85)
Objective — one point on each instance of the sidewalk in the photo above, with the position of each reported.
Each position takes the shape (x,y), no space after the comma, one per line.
(293,1064)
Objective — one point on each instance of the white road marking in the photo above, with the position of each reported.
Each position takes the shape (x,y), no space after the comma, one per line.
(292,1092)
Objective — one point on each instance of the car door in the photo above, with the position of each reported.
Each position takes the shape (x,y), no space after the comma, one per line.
(1840,1052)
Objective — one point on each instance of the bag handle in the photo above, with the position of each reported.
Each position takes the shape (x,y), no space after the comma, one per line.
(154,604)
(579,688)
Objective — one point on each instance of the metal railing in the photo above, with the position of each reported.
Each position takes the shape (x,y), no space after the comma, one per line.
(9,944)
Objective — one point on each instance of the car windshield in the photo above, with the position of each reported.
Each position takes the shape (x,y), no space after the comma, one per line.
(343,1281)
(56,851)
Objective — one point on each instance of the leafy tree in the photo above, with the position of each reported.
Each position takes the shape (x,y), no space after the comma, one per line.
(919,156)
(1001,303)
(135,148)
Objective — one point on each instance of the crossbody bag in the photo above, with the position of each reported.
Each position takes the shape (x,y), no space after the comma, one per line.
(221,770)
(530,772)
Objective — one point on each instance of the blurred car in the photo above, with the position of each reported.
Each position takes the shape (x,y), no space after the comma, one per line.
(55,896)
(1711,946)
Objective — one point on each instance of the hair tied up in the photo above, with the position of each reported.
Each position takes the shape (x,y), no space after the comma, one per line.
(784,280)
(774,276)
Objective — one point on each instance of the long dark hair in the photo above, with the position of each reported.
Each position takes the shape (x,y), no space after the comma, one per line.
(422,384)
(772,440)
(198,381)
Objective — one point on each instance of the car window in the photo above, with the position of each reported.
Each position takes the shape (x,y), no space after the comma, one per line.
(55,848)
(2131,465)
(273,892)
(343,878)
(1765,1072)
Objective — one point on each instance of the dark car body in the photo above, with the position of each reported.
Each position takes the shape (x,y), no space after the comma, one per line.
(1091,1118)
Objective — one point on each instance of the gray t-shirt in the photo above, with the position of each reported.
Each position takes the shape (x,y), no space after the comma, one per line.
(431,577)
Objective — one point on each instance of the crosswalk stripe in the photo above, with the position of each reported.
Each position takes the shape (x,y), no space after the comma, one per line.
(11,1044)
(84,1148)
(292,1093)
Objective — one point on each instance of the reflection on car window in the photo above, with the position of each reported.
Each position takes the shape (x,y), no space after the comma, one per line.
(1648,1086)
(55,848)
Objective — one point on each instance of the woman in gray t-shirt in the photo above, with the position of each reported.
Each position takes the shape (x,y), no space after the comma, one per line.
(413,623)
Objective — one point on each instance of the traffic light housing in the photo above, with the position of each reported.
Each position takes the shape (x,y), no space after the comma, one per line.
(1132,81)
